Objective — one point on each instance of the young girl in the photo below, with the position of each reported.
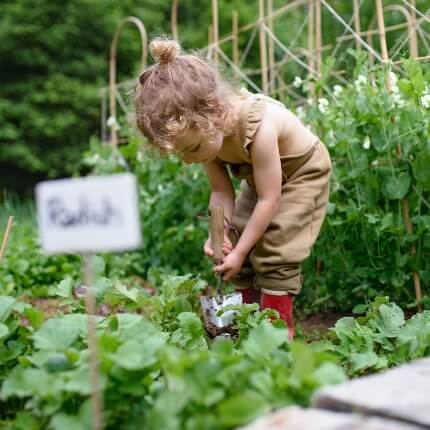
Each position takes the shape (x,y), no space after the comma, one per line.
(185,108)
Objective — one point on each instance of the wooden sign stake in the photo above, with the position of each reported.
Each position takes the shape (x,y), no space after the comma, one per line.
(90,309)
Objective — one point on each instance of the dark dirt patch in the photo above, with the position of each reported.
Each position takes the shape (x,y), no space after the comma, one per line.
(214,331)
(318,324)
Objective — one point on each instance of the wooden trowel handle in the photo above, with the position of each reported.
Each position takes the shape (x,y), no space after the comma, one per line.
(216,226)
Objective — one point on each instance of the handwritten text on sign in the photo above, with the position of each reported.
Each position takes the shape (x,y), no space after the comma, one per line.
(93,214)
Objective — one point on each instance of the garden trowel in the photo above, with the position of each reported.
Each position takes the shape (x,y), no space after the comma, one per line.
(217,322)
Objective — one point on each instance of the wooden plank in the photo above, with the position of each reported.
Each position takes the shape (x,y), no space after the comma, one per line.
(295,418)
(401,393)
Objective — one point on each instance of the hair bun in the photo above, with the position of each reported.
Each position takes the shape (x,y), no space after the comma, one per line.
(164,50)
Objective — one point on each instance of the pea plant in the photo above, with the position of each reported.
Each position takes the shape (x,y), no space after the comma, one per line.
(375,239)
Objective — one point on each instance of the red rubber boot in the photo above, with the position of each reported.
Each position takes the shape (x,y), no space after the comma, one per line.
(282,304)
(249,295)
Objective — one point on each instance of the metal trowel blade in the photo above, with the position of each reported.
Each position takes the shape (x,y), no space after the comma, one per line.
(211,308)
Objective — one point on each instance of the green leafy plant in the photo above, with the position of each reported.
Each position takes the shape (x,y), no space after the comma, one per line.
(380,339)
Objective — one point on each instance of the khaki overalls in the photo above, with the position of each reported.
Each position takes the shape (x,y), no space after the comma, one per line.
(274,264)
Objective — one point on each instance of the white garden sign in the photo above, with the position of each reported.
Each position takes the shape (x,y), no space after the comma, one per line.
(92,214)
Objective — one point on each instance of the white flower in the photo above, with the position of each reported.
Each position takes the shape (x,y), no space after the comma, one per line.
(366,143)
(322,105)
(298,82)
(393,78)
(300,112)
(337,90)
(360,82)
(310,101)
(111,122)
(375,163)
(397,100)
(139,156)
(425,101)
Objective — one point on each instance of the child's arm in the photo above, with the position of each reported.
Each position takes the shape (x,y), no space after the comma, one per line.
(268,181)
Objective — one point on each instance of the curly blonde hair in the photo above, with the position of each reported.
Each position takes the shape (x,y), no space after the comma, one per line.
(180,92)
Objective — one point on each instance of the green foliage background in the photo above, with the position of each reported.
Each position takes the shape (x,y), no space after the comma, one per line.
(54,60)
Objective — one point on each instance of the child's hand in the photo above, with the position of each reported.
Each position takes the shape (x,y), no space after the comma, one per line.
(230,266)
(226,247)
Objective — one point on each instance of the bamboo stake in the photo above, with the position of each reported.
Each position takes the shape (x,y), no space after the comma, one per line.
(318,51)
(318,35)
(210,43)
(281,84)
(415,275)
(263,51)
(174,19)
(357,28)
(96,394)
(215,28)
(405,201)
(311,30)
(381,27)
(272,86)
(413,36)
(235,40)
(6,237)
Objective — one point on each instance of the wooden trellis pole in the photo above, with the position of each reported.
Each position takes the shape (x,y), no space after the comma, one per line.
(414,40)
(263,50)
(235,41)
(381,28)
(272,70)
(311,31)
(210,43)
(405,201)
(318,35)
(174,19)
(356,7)
(6,237)
(215,28)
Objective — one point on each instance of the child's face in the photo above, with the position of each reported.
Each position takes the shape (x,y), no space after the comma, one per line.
(193,146)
